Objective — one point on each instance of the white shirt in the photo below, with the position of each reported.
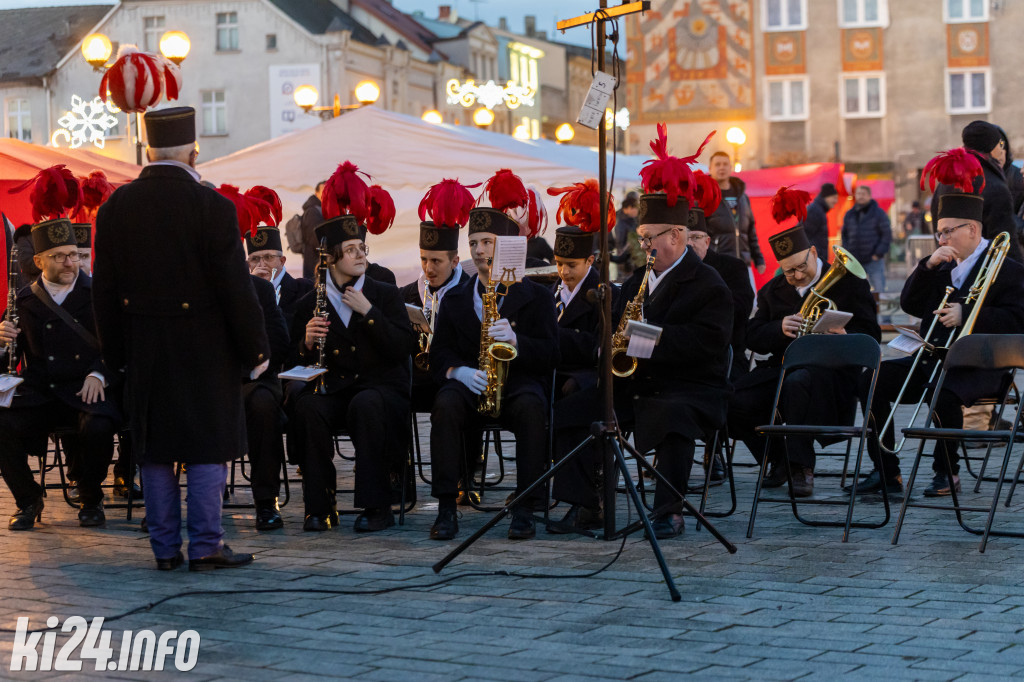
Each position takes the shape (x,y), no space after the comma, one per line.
(452,283)
(178,164)
(567,294)
(334,296)
(655,278)
(964,267)
(803,290)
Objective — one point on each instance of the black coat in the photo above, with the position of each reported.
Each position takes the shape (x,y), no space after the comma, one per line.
(578,330)
(312,217)
(411,295)
(186,326)
(277,334)
(738,238)
(54,359)
(736,275)
(381,274)
(292,290)
(531,313)
(816,226)
(866,232)
(684,386)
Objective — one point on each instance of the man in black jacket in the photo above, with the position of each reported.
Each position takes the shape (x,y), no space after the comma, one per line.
(816,223)
(312,216)
(267,260)
(867,234)
(579,318)
(66,383)
(738,238)
(809,396)
(955,263)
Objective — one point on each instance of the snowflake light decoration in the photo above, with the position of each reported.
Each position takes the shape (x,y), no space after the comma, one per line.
(489,94)
(86,122)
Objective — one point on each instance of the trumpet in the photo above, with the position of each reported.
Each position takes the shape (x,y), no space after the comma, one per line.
(816,303)
(422,359)
(622,364)
(987,273)
(12,308)
(321,311)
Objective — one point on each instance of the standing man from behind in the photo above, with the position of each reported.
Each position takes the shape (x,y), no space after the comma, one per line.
(312,216)
(867,234)
(185,328)
(742,241)
(816,224)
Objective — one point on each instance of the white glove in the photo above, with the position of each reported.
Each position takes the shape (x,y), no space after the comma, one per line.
(502,331)
(474,379)
(258,370)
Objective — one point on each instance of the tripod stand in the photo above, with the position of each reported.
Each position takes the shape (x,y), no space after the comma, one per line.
(605,433)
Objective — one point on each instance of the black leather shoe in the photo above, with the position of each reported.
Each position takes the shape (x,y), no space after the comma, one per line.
(373,520)
(91,515)
(579,518)
(225,558)
(940,485)
(121,488)
(775,478)
(717,470)
(668,526)
(74,496)
(873,484)
(316,523)
(522,527)
(170,564)
(25,518)
(446,526)
(803,480)
(268,515)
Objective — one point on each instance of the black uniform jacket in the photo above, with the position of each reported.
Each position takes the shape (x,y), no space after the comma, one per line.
(54,359)
(411,295)
(736,275)
(578,329)
(292,290)
(277,334)
(176,309)
(381,274)
(529,310)
(684,386)
(1002,312)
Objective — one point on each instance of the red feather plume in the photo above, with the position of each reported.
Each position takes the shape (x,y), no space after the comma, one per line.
(346,193)
(269,197)
(707,192)
(788,203)
(381,208)
(95,190)
(957,167)
(56,193)
(447,203)
(250,210)
(532,218)
(670,174)
(580,205)
(505,190)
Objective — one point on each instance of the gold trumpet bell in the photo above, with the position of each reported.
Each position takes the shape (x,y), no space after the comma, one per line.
(845,260)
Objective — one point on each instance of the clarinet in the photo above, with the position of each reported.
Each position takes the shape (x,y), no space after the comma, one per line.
(12,308)
(322,312)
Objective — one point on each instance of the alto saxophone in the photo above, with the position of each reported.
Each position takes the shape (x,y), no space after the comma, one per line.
(12,308)
(622,364)
(321,311)
(494,355)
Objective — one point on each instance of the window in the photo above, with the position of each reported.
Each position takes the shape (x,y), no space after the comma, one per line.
(786,99)
(215,113)
(863,13)
(19,120)
(271,42)
(959,11)
(227,31)
(784,15)
(152,29)
(968,92)
(863,96)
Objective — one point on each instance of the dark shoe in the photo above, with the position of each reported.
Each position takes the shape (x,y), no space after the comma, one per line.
(668,526)
(522,527)
(373,520)
(268,515)
(121,488)
(940,485)
(170,564)
(873,484)
(144,525)
(316,523)
(446,525)
(717,470)
(74,496)
(91,515)
(775,478)
(803,481)
(25,518)
(579,518)
(225,558)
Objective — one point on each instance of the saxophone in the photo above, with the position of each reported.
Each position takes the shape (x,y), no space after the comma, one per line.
(622,364)
(321,310)
(12,308)
(494,355)
(422,359)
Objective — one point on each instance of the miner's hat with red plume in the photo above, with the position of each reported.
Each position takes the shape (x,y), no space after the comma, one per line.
(789,203)
(346,206)
(443,211)
(504,192)
(56,195)
(707,198)
(580,211)
(668,183)
(266,236)
(961,170)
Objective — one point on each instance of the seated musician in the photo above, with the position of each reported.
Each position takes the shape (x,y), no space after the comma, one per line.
(65,380)
(527,322)
(374,271)
(956,264)
(809,396)
(366,339)
(579,318)
(678,394)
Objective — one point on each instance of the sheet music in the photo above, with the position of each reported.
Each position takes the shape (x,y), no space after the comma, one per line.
(8,384)
(908,341)
(509,262)
(300,373)
(831,320)
(643,338)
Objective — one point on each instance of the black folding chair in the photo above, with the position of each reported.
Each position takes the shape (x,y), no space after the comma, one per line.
(824,351)
(971,353)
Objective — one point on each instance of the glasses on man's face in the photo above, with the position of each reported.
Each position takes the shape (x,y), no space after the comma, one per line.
(695,237)
(800,268)
(61,258)
(267,258)
(948,233)
(646,242)
(354,250)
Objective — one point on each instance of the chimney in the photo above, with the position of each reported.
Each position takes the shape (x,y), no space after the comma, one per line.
(503,23)
(444,12)
(530,23)
(543,35)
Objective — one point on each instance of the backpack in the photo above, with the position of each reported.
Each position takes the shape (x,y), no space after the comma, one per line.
(293,233)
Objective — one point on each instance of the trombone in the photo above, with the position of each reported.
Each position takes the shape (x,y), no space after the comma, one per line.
(990,266)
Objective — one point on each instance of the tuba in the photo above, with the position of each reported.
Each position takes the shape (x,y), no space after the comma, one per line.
(816,303)
(494,355)
(12,307)
(321,310)
(622,364)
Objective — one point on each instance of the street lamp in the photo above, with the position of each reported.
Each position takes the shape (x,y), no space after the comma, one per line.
(306,97)
(483,117)
(175,46)
(367,92)
(433,116)
(564,133)
(96,48)
(736,137)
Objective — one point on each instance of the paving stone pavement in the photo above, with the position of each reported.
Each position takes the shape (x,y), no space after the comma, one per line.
(794,602)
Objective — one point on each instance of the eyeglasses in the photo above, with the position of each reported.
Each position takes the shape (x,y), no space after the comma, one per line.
(800,268)
(353,251)
(62,258)
(948,234)
(265,258)
(646,242)
(697,236)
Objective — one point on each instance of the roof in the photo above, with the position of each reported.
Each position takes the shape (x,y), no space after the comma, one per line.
(442,29)
(401,22)
(320,16)
(34,39)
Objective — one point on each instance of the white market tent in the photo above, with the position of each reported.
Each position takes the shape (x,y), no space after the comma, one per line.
(406,156)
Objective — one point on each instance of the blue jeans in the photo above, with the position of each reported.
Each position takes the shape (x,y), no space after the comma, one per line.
(204,496)
(875,270)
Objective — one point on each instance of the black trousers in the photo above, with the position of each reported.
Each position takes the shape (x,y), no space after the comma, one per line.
(122,465)
(90,440)
(455,419)
(317,417)
(263,422)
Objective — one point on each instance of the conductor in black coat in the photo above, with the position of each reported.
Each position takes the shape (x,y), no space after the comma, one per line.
(366,387)
(66,384)
(955,263)
(267,261)
(527,321)
(809,396)
(579,319)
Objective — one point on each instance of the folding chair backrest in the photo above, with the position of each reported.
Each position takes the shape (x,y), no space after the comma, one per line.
(986,351)
(833,351)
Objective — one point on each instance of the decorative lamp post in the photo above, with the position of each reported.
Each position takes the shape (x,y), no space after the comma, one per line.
(306,97)
(175,46)
(367,92)
(564,133)
(97,48)
(737,138)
